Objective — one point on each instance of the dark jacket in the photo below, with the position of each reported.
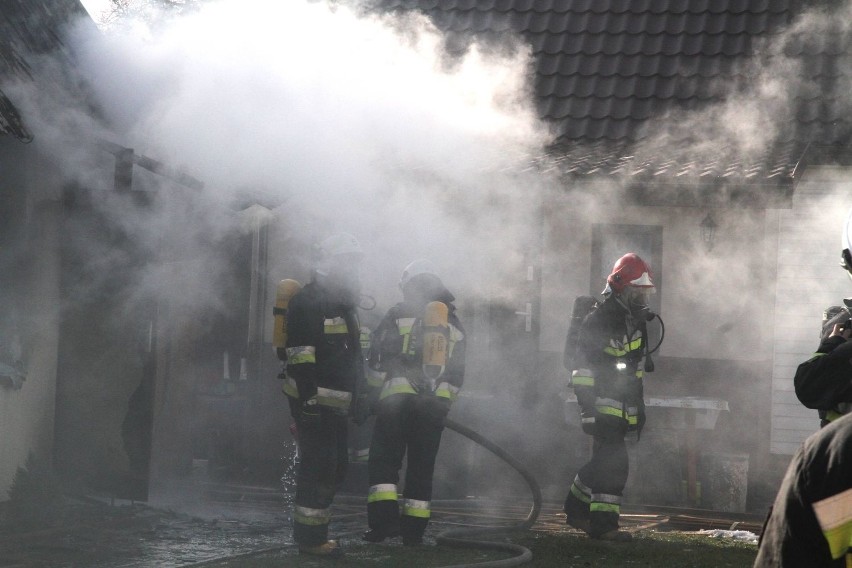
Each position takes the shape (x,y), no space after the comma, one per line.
(397,352)
(323,348)
(608,372)
(810,523)
(824,382)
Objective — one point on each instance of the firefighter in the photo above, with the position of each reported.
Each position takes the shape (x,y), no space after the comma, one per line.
(607,379)
(810,523)
(411,398)
(324,369)
(824,382)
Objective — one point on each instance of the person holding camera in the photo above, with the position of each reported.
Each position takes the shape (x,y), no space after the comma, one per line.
(824,382)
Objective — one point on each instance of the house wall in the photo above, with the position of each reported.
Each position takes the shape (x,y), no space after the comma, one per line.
(714,302)
(809,280)
(32,295)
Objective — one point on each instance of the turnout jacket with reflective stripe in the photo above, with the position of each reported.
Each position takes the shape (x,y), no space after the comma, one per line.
(824,382)
(323,348)
(396,358)
(608,373)
(811,521)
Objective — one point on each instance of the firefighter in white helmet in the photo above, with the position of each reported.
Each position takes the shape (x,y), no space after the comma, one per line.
(607,379)
(413,394)
(324,369)
(824,382)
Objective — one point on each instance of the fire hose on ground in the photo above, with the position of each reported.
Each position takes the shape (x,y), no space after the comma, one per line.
(471,537)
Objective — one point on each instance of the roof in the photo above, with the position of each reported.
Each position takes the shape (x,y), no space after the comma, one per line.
(27,28)
(608,71)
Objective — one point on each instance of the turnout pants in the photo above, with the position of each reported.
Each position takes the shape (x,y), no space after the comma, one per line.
(596,493)
(322,467)
(402,427)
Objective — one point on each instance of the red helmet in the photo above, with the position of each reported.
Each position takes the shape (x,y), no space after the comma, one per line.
(629,270)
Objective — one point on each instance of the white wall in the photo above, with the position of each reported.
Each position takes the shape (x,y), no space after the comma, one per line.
(809,280)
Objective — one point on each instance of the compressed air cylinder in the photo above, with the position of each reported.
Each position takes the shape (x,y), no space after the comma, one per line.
(286,289)
(436,332)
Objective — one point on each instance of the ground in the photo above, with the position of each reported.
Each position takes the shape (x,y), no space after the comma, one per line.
(248,527)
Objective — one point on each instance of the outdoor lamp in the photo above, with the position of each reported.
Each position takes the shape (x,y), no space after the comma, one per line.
(708,231)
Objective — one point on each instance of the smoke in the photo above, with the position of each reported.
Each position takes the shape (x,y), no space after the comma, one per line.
(340,120)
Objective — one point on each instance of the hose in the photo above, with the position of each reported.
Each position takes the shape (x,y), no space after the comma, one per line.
(465,537)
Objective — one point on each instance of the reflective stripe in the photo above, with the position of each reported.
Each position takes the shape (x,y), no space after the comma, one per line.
(604,508)
(632,415)
(606,498)
(446,390)
(334,398)
(382,492)
(456,335)
(364,338)
(583,378)
(334,326)
(640,373)
(609,406)
(313,517)
(581,491)
(405,325)
(357,456)
(302,354)
(588,420)
(582,486)
(835,518)
(415,508)
(375,378)
(832,415)
(397,385)
(620,349)
(289,387)
(325,397)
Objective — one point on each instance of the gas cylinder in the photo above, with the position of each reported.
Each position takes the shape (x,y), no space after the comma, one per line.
(286,289)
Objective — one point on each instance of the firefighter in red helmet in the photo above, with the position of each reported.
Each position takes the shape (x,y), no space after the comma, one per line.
(607,379)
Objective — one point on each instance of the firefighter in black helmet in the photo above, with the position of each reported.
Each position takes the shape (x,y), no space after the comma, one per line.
(324,368)
(412,398)
(607,379)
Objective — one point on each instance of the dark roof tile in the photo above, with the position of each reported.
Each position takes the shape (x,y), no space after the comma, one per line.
(606,68)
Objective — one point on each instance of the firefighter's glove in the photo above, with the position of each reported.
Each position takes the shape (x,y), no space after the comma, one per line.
(434,408)
(362,409)
(310,411)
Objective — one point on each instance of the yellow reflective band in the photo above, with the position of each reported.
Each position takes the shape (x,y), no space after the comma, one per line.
(609,406)
(446,390)
(615,352)
(333,326)
(333,398)
(835,518)
(290,389)
(364,338)
(605,507)
(375,378)
(382,492)
(578,493)
(580,381)
(312,517)
(397,385)
(640,373)
(301,355)
(832,415)
(415,508)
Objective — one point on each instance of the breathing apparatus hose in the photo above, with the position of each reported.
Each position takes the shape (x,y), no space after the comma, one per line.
(465,537)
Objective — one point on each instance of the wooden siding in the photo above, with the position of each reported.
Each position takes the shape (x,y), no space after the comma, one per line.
(809,280)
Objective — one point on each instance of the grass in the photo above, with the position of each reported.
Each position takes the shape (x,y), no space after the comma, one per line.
(550,549)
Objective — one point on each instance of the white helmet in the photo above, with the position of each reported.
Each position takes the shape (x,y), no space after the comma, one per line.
(339,243)
(419,266)
(846,261)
